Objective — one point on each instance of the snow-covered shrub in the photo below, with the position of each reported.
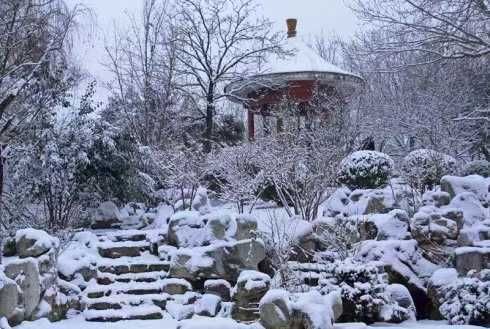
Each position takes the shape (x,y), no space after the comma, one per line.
(467,300)
(424,168)
(365,169)
(477,167)
(362,287)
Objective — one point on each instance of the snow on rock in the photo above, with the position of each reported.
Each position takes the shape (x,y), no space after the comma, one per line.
(9,296)
(473,210)
(250,288)
(275,309)
(207,305)
(345,203)
(106,216)
(311,310)
(475,184)
(472,258)
(77,261)
(33,243)
(218,287)
(211,323)
(390,226)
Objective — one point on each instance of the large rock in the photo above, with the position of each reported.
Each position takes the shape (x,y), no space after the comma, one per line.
(34,243)
(223,260)
(399,295)
(221,226)
(26,274)
(475,184)
(9,296)
(311,311)
(218,287)
(187,229)
(250,288)
(275,310)
(107,216)
(246,227)
(437,287)
(207,305)
(472,258)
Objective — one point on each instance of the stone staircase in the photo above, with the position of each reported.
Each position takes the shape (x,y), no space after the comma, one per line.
(132,281)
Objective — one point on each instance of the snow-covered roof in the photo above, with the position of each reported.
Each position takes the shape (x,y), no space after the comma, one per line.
(303,59)
(301,64)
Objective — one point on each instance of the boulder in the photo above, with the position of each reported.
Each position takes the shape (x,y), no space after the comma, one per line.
(223,260)
(311,311)
(176,286)
(437,287)
(207,305)
(335,300)
(472,258)
(274,309)
(250,288)
(26,274)
(475,184)
(9,249)
(187,229)
(436,199)
(472,208)
(246,227)
(220,225)
(9,296)
(107,216)
(34,243)
(218,287)
(399,294)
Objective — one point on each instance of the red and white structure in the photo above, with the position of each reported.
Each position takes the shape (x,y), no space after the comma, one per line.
(296,78)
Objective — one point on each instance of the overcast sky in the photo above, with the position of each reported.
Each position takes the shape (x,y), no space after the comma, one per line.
(314,17)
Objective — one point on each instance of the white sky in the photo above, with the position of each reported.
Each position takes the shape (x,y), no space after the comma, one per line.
(314,17)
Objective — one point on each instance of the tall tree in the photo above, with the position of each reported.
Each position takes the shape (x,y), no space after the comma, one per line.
(33,38)
(219,41)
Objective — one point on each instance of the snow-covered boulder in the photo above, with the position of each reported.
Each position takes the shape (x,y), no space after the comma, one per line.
(391,226)
(187,229)
(344,202)
(26,275)
(218,287)
(106,216)
(246,227)
(477,167)
(365,169)
(9,296)
(33,243)
(222,260)
(424,168)
(274,308)
(475,184)
(251,286)
(77,262)
(473,258)
(207,305)
(400,306)
(437,288)
(473,211)
(311,310)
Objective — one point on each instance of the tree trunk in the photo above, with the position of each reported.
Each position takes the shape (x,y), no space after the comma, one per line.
(2,161)
(208,134)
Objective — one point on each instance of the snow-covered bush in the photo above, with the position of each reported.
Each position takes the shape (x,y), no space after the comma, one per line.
(467,300)
(365,169)
(363,289)
(477,167)
(424,168)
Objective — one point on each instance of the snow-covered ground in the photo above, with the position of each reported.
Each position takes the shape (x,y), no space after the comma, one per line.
(208,323)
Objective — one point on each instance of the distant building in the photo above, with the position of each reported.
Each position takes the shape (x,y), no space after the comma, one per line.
(294,79)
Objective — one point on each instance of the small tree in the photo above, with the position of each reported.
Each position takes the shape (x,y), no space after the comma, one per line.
(237,174)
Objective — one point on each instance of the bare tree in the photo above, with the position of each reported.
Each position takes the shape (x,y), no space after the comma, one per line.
(436,29)
(33,44)
(142,60)
(218,41)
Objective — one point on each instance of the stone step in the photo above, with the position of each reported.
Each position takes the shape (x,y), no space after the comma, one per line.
(117,302)
(140,312)
(105,278)
(125,235)
(109,249)
(124,265)
(169,286)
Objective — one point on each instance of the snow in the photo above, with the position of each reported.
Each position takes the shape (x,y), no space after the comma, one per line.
(304,59)
(444,276)
(213,323)
(43,239)
(253,279)
(275,294)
